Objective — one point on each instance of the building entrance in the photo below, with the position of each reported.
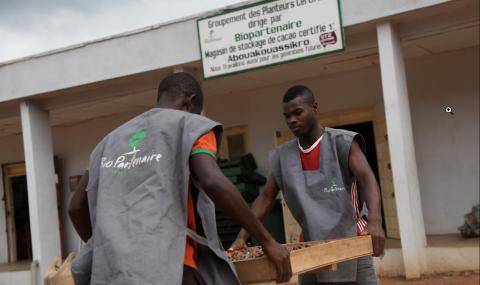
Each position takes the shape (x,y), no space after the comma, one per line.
(17,213)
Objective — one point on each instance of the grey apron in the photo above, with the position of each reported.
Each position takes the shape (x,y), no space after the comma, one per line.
(320,200)
(137,192)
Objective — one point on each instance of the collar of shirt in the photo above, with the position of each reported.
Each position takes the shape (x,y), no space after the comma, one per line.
(314,145)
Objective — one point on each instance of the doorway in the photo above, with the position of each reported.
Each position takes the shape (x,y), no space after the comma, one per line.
(17,213)
(21,217)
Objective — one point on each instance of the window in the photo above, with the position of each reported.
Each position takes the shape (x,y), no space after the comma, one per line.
(235,143)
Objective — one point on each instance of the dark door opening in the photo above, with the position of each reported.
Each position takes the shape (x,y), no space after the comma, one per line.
(21,217)
(366,130)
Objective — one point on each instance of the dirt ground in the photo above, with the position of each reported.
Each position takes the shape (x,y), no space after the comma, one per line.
(453,278)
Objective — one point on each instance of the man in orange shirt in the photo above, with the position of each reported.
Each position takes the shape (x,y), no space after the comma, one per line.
(145,205)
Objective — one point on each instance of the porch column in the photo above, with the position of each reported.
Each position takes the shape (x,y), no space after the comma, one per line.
(402,150)
(42,200)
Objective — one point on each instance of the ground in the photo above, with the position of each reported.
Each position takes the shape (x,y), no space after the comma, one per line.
(454,278)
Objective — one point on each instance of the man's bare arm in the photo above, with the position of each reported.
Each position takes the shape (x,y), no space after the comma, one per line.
(78,209)
(223,193)
(370,193)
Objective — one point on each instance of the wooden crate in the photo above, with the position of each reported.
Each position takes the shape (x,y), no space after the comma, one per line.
(319,256)
(59,273)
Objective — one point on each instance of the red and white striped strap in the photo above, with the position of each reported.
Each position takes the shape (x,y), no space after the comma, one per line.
(361,223)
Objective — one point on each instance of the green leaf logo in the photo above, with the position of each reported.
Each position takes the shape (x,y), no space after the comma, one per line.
(136,139)
(334,181)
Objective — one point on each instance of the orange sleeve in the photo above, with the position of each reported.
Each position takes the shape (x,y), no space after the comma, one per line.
(207,143)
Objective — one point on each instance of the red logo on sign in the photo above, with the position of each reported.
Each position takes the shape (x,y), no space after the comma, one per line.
(329,38)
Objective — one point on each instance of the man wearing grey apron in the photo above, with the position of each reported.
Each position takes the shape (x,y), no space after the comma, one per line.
(146,204)
(318,173)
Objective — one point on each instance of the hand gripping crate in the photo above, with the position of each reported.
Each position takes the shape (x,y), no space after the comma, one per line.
(318,256)
(58,273)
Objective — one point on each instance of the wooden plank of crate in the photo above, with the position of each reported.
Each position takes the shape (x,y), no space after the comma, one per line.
(335,251)
(258,272)
(255,270)
(319,256)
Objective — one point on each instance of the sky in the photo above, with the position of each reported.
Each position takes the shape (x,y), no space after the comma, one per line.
(32,26)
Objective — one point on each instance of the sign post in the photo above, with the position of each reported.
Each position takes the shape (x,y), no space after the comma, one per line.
(268,33)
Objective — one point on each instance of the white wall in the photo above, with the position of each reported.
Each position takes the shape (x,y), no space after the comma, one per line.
(446,146)
(16,277)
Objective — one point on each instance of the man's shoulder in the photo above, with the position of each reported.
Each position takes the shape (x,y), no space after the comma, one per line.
(164,115)
(333,132)
(340,136)
(344,138)
(285,147)
(130,125)
(185,117)
(288,144)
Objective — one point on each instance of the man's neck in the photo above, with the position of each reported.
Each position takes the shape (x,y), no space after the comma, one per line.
(166,105)
(312,136)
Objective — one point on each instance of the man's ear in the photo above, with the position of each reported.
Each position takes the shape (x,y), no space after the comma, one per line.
(191,98)
(191,102)
(187,103)
(195,102)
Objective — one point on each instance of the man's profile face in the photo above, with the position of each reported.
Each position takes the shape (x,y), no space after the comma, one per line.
(299,116)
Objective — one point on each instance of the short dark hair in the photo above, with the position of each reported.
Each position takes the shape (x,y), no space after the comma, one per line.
(179,84)
(299,91)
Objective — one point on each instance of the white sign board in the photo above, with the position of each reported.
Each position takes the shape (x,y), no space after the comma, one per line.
(268,33)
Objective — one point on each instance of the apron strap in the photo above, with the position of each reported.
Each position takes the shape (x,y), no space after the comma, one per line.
(197,238)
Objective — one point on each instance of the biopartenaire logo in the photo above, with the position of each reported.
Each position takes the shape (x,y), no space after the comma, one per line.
(132,159)
(334,187)
(334,181)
